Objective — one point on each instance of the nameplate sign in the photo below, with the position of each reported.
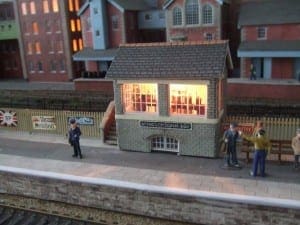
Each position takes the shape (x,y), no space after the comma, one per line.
(166,125)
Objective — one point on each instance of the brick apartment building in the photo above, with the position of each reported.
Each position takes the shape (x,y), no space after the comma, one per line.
(50,33)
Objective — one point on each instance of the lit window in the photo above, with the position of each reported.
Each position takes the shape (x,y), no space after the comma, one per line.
(29,48)
(32,7)
(35,27)
(40,66)
(80,44)
(72,24)
(192,12)
(177,16)
(207,14)
(24,8)
(78,24)
(38,47)
(115,22)
(188,99)
(77,5)
(75,46)
(261,32)
(71,6)
(55,5)
(46,6)
(140,98)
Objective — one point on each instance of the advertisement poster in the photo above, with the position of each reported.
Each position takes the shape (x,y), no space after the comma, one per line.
(8,118)
(43,122)
(89,121)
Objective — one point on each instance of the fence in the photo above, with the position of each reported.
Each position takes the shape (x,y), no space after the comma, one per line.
(49,121)
(276,128)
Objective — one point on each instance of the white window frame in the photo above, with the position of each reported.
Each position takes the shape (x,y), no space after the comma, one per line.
(259,31)
(176,15)
(191,16)
(205,15)
(163,143)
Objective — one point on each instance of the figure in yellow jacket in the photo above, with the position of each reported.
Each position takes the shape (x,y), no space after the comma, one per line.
(261,145)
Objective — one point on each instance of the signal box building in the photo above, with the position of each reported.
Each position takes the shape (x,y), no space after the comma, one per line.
(170,96)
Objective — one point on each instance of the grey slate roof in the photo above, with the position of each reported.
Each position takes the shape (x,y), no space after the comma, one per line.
(91,54)
(269,12)
(134,5)
(181,60)
(270,45)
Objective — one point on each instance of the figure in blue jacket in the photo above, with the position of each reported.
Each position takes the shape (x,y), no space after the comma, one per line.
(74,137)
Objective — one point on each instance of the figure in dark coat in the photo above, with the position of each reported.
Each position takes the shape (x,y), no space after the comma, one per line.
(74,137)
(230,137)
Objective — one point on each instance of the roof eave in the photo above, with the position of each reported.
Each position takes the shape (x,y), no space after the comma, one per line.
(119,7)
(83,8)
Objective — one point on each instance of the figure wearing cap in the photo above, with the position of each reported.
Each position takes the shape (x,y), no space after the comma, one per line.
(74,137)
(296,148)
(230,137)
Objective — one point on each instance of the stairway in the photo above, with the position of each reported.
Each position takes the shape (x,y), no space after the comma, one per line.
(111,137)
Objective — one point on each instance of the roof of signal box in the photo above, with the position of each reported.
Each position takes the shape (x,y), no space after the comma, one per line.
(171,60)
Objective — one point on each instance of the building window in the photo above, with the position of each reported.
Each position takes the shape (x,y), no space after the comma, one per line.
(208,36)
(71,6)
(261,32)
(38,47)
(51,46)
(192,12)
(188,99)
(40,66)
(31,66)
(32,7)
(55,7)
(140,97)
(78,22)
(177,16)
(48,26)
(46,6)
(163,143)
(53,66)
(77,6)
(97,33)
(60,46)
(207,14)
(35,28)
(29,48)
(148,16)
(24,8)
(95,10)
(62,65)
(73,26)
(75,46)
(58,26)
(80,44)
(115,22)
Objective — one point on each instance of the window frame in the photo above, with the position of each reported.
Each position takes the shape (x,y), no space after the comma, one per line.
(192,14)
(183,104)
(176,13)
(261,29)
(205,15)
(151,100)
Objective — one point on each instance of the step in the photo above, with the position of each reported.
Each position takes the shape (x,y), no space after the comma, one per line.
(111,137)
(111,142)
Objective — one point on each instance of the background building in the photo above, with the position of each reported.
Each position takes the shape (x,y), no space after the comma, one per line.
(50,33)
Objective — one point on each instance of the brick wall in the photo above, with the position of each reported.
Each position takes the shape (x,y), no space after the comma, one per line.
(87,33)
(115,35)
(104,86)
(274,32)
(156,202)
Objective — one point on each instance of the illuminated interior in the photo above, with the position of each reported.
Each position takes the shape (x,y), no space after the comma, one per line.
(46,6)
(55,5)
(35,27)
(38,47)
(188,99)
(72,23)
(140,97)
(75,46)
(32,7)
